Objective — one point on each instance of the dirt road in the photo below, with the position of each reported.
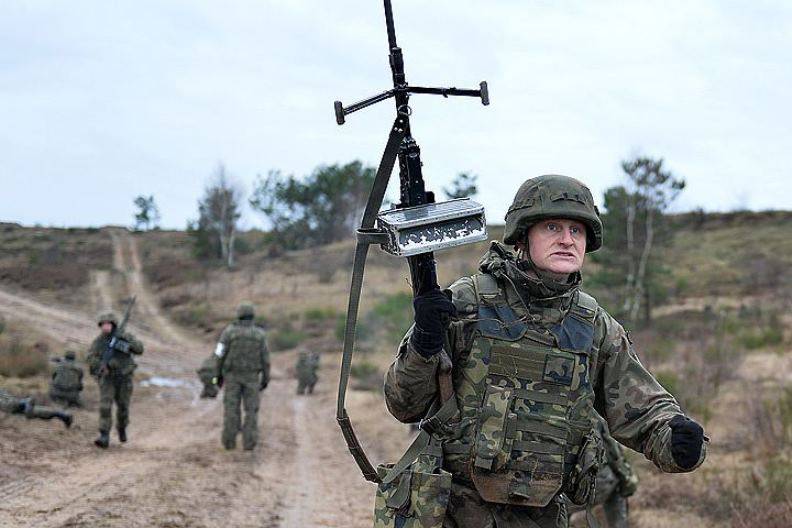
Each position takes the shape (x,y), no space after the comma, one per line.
(173,472)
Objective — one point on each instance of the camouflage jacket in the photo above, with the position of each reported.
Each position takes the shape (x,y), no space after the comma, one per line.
(122,364)
(244,350)
(637,408)
(68,376)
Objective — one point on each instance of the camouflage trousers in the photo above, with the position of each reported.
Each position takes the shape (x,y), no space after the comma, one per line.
(305,384)
(240,393)
(613,505)
(118,390)
(66,398)
(466,509)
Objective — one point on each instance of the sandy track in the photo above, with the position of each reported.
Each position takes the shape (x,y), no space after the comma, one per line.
(173,472)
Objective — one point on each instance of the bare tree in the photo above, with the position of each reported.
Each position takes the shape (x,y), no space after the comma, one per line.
(652,189)
(219,211)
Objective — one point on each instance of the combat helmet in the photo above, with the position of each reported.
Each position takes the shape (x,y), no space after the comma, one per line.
(553,196)
(108,316)
(245,310)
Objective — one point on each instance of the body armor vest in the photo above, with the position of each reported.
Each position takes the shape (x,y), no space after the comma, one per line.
(244,350)
(67,377)
(525,400)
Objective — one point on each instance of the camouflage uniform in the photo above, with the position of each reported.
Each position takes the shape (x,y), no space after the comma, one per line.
(616,481)
(67,382)
(244,366)
(307,366)
(13,405)
(115,385)
(209,374)
(532,360)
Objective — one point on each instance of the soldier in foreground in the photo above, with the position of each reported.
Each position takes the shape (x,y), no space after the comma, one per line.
(244,372)
(307,367)
(533,357)
(27,406)
(115,380)
(67,381)
(616,481)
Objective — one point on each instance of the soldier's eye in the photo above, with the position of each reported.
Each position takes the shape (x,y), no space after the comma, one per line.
(552,227)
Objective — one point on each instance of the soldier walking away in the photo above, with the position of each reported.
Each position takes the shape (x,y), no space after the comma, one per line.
(307,368)
(244,372)
(27,406)
(616,481)
(67,382)
(116,378)
(533,356)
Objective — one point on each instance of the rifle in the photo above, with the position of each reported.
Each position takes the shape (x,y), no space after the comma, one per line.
(414,228)
(109,352)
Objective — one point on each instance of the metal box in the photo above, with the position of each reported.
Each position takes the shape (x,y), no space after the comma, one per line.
(432,227)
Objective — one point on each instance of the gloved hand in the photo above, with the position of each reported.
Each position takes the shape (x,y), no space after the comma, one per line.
(122,346)
(432,313)
(263,384)
(687,438)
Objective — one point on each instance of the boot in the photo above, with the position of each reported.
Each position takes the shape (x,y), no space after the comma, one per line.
(103,440)
(122,435)
(65,417)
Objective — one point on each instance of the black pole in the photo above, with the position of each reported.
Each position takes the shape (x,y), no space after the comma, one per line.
(423,268)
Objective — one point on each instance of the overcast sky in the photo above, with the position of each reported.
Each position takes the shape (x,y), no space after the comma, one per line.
(101,101)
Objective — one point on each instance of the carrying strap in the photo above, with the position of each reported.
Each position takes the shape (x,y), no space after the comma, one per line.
(366,236)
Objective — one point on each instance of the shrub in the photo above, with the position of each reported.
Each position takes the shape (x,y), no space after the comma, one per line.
(285,338)
(22,359)
(319,315)
(366,376)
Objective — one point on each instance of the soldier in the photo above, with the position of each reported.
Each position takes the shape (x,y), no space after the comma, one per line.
(307,367)
(244,372)
(209,374)
(115,383)
(533,357)
(616,481)
(28,407)
(67,382)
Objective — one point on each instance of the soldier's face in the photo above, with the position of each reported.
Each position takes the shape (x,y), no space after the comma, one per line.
(558,245)
(107,327)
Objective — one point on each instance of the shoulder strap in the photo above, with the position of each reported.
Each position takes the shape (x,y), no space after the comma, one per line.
(585,306)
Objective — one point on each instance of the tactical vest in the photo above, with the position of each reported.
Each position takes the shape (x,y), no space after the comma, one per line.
(525,400)
(243,354)
(67,378)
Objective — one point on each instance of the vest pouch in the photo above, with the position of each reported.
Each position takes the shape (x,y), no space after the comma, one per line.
(583,476)
(493,441)
(417,498)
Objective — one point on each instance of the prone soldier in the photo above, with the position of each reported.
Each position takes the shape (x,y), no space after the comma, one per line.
(244,373)
(533,356)
(27,406)
(67,381)
(116,378)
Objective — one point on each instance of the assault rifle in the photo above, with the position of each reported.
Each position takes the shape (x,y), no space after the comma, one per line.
(109,352)
(414,228)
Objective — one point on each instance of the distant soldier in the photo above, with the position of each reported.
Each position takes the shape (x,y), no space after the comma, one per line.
(67,382)
(244,371)
(209,374)
(115,383)
(307,368)
(616,481)
(28,407)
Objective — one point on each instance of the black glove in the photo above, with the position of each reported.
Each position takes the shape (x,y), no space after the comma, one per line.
(687,438)
(122,346)
(432,313)
(263,384)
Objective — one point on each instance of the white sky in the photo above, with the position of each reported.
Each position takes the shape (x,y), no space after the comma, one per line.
(101,101)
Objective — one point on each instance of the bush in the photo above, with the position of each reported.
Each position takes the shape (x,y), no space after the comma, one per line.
(319,315)
(285,338)
(21,359)
(366,376)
